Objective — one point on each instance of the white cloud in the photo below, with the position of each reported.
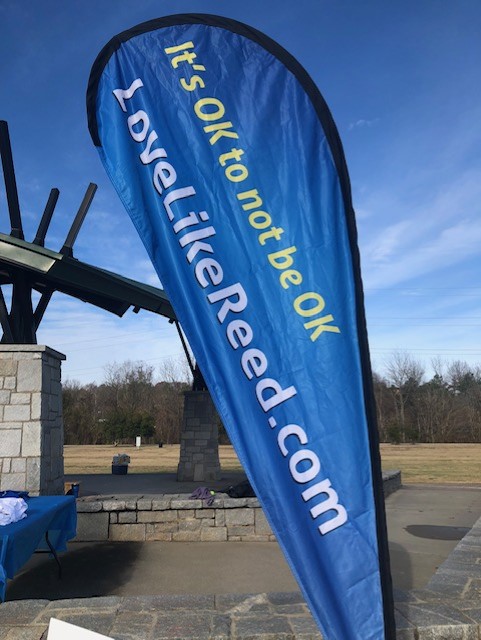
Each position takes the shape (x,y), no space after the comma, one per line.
(361,124)
(380,249)
(427,234)
(451,246)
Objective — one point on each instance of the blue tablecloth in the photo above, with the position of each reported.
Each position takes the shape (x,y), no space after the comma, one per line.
(56,515)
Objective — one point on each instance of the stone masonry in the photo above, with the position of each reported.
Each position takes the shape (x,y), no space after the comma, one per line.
(31,428)
(172,517)
(178,518)
(199,449)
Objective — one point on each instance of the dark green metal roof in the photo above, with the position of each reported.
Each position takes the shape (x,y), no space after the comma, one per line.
(47,270)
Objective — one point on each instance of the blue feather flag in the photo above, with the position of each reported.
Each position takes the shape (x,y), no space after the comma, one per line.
(229,164)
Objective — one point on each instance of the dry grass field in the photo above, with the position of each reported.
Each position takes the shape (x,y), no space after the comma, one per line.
(420,463)
(147,459)
(434,463)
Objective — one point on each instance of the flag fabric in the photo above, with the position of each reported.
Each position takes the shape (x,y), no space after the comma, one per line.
(228,162)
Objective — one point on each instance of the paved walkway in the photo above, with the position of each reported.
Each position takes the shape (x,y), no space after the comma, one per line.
(424,524)
(153,591)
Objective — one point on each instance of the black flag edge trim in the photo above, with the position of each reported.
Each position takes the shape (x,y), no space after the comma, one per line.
(335,145)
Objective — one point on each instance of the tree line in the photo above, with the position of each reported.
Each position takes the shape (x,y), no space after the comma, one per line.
(445,408)
(410,407)
(129,403)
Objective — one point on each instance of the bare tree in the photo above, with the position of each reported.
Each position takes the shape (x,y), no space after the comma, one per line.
(128,400)
(175,370)
(404,374)
(436,411)
(458,375)
(81,413)
(383,401)
(131,384)
(175,379)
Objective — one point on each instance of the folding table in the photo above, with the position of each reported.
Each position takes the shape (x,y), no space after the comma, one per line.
(50,522)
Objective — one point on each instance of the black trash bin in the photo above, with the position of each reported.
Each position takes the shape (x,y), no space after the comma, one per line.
(120,469)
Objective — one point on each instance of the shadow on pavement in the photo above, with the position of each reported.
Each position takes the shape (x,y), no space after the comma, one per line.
(437,532)
(401,567)
(88,571)
(155,568)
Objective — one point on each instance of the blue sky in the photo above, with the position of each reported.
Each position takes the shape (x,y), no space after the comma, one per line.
(402,81)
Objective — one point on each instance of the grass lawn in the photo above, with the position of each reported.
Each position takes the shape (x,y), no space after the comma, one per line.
(420,463)
(147,459)
(434,463)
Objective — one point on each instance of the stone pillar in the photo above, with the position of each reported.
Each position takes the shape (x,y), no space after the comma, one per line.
(31,426)
(199,439)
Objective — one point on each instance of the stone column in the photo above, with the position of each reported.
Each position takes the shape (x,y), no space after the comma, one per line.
(31,426)
(199,440)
